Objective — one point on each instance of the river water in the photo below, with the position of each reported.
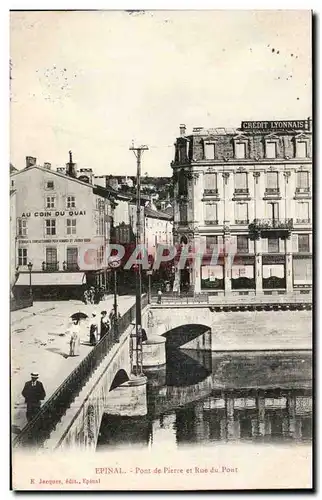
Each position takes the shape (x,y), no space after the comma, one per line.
(206,398)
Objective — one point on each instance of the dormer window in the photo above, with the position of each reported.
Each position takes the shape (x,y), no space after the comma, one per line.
(240,147)
(240,150)
(271,149)
(302,146)
(210,150)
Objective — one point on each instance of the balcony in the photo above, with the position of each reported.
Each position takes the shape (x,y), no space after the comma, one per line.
(259,226)
(211,222)
(272,192)
(302,192)
(240,222)
(303,221)
(241,191)
(70,266)
(210,192)
(50,266)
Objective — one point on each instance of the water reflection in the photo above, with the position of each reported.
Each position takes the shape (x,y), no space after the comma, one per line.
(204,398)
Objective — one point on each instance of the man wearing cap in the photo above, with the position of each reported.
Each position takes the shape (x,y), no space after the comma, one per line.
(33,392)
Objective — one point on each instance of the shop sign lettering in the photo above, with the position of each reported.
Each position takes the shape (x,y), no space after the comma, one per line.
(69,213)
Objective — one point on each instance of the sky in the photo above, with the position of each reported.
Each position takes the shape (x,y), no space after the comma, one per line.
(93,82)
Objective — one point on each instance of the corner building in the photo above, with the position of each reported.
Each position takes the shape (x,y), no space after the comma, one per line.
(248,193)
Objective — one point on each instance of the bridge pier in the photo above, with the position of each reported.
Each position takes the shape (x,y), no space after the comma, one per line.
(129,399)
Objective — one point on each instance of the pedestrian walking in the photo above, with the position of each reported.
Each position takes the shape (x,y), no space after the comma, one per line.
(105,327)
(159,296)
(91,295)
(33,392)
(74,342)
(86,297)
(93,330)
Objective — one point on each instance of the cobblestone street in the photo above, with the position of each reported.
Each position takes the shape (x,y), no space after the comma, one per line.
(39,343)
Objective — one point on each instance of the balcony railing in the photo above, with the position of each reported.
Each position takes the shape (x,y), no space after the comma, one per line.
(210,192)
(240,191)
(241,222)
(50,266)
(302,190)
(36,432)
(211,222)
(303,221)
(268,224)
(272,191)
(70,266)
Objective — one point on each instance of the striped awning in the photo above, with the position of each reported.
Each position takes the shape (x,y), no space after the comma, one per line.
(43,279)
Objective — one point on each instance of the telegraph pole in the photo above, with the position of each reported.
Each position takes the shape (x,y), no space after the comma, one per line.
(138,281)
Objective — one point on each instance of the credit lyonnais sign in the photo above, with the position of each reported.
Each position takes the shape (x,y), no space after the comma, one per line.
(277,125)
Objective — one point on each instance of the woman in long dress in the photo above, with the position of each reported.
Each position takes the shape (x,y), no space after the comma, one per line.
(93,330)
(74,342)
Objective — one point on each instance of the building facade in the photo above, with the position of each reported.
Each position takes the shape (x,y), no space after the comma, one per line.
(246,195)
(62,225)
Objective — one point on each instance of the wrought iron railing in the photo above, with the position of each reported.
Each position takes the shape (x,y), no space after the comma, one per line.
(239,191)
(211,222)
(36,432)
(50,266)
(210,192)
(262,224)
(272,191)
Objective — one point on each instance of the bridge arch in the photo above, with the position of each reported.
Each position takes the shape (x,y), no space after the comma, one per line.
(120,377)
(193,334)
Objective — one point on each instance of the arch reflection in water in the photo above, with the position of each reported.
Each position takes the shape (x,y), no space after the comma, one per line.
(221,402)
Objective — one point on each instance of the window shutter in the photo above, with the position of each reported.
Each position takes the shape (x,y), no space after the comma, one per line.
(282,245)
(272,180)
(264,245)
(209,151)
(251,246)
(241,180)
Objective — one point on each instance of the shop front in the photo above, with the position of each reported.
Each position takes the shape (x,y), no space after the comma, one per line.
(274,276)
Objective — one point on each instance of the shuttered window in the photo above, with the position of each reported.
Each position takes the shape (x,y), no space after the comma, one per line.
(210,212)
(241,213)
(240,180)
(240,150)
(209,151)
(302,179)
(210,181)
(271,180)
(271,149)
(301,149)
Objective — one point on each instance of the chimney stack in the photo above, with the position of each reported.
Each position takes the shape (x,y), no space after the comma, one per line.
(61,170)
(182,130)
(71,167)
(86,175)
(47,165)
(30,161)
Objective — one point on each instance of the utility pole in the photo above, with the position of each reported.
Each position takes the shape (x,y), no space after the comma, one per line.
(138,281)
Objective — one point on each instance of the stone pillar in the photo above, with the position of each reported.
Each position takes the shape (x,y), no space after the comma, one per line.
(291,414)
(260,406)
(228,260)
(153,351)
(196,266)
(289,265)
(129,399)
(258,266)
(229,410)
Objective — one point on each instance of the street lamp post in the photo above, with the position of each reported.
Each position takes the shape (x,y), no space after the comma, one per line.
(30,288)
(149,273)
(115,263)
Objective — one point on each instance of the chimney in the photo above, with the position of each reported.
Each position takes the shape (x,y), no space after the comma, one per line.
(182,130)
(71,167)
(30,161)
(61,170)
(86,175)
(47,165)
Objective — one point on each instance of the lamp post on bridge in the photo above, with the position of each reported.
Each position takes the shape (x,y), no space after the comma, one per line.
(114,263)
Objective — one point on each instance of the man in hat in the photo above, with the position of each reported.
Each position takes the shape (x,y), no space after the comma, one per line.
(33,392)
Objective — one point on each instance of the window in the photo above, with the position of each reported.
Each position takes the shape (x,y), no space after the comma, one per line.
(211,242)
(241,182)
(71,202)
(210,182)
(241,213)
(302,179)
(273,244)
(72,255)
(271,181)
(183,213)
(303,212)
(22,256)
(271,148)
(51,255)
(301,149)
(50,185)
(242,243)
(240,150)
(50,202)
(211,213)
(22,227)
(50,227)
(183,186)
(273,211)
(210,151)
(304,242)
(71,226)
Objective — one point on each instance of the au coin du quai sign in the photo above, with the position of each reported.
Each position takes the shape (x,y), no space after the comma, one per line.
(57,213)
